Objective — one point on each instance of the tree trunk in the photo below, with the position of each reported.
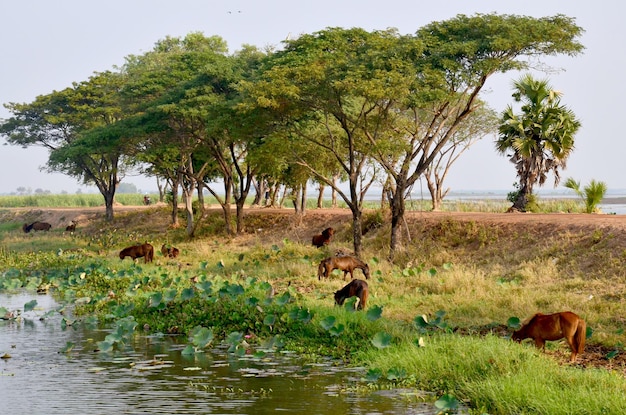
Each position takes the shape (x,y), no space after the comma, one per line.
(240,203)
(522,200)
(201,199)
(240,206)
(320,196)
(109,199)
(386,193)
(357,213)
(188,192)
(226,210)
(303,199)
(226,205)
(259,191)
(397,217)
(283,197)
(294,196)
(435,197)
(333,196)
(274,196)
(357,232)
(175,203)
(162,187)
(270,195)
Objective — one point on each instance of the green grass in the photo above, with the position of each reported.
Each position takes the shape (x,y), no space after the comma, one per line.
(477,274)
(501,377)
(61,201)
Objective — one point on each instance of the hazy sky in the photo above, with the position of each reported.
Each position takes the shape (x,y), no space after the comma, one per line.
(46,45)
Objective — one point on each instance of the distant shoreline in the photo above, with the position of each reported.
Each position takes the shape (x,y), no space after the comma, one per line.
(614,201)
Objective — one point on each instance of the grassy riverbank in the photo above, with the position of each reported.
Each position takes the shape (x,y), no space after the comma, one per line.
(436,318)
(546,205)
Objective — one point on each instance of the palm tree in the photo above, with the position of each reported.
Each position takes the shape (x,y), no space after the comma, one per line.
(541,137)
(592,194)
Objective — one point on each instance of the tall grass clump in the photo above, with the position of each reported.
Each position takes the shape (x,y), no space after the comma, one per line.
(501,376)
(592,194)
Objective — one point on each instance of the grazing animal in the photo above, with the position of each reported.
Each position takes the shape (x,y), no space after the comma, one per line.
(347,264)
(542,327)
(170,252)
(324,238)
(71,227)
(38,226)
(138,251)
(355,288)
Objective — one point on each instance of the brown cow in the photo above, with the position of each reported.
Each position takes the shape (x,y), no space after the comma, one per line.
(345,263)
(170,252)
(542,327)
(38,226)
(71,227)
(137,251)
(355,288)
(324,238)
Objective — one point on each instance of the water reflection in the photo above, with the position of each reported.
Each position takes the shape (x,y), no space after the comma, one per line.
(154,377)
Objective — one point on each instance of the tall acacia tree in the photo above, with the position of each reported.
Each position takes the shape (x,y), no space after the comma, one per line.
(321,88)
(233,134)
(400,99)
(178,87)
(71,125)
(481,123)
(458,57)
(540,138)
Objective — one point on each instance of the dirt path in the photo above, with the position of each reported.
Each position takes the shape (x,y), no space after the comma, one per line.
(575,221)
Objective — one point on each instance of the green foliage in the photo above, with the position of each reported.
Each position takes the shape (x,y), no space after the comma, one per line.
(30,305)
(107,238)
(120,337)
(513,323)
(500,376)
(513,195)
(69,346)
(202,337)
(373,375)
(374,313)
(592,194)
(381,340)
(409,74)
(446,404)
(328,322)
(264,298)
(540,138)
(423,325)
(395,374)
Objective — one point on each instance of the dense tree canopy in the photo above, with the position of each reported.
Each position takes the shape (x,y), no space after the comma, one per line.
(398,99)
(347,103)
(74,125)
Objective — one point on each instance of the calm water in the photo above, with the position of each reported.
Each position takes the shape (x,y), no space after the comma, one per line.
(613,203)
(155,378)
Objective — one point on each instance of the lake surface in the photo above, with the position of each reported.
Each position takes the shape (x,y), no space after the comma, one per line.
(153,377)
(614,202)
